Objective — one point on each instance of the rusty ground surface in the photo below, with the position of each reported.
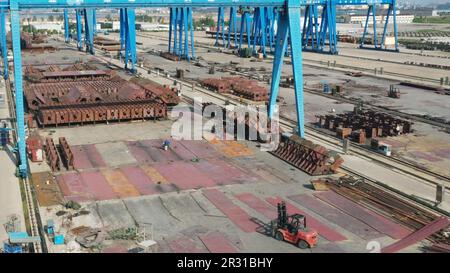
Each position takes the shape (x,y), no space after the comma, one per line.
(48,193)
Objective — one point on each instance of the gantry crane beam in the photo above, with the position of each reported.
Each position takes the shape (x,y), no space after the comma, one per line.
(108,4)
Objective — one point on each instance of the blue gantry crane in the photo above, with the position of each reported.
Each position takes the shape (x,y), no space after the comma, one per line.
(287,15)
(319,32)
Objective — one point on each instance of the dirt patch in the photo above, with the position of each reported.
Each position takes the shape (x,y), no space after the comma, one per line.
(46,188)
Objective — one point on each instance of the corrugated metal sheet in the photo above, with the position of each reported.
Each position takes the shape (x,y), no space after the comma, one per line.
(372,219)
(336,216)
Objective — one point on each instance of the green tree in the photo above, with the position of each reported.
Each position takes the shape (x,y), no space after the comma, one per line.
(51,18)
(205,22)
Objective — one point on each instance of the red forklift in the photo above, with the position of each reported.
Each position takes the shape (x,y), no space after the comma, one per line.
(292,229)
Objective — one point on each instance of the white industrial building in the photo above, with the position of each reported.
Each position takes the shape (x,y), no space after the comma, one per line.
(381,19)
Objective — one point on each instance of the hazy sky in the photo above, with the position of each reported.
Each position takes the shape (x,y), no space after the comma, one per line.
(425,2)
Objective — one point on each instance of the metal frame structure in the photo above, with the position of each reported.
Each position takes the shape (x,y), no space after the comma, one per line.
(319,27)
(3,45)
(371,12)
(246,22)
(317,32)
(232,26)
(181,21)
(220,26)
(66,26)
(288,25)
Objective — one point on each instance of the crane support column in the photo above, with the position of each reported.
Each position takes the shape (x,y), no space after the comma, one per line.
(94,21)
(130,39)
(79,30)
(66,26)
(289,23)
(191,26)
(180,32)
(3,44)
(122,30)
(232,26)
(18,86)
(171,12)
(220,26)
(89,30)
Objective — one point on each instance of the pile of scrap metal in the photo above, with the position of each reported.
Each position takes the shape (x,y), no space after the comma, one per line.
(246,88)
(107,44)
(311,158)
(345,38)
(28,40)
(364,124)
(60,97)
(422,223)
(253,126)
(92,237)
(170,56)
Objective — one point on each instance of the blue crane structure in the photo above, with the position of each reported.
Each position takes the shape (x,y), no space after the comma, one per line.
(288,16)
(181,30)
(319,32)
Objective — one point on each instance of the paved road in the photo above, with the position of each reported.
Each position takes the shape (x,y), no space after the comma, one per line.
(10,199)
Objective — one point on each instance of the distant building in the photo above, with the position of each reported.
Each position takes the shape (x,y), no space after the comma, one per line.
(50,26)
(439,12)
(152,26)
(381,19)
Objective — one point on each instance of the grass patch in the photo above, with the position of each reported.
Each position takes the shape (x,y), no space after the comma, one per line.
(432,20)
(26,213)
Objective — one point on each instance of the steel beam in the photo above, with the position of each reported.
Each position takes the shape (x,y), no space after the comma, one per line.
(3,44)
(130,39)
(18,87)
(89,30)
(191,26)
(66,26)
(79,30)
(289,25)
(232,26)
(220,29)
(171,26)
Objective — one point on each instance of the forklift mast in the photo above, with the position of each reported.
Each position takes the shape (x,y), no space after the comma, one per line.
(282,214)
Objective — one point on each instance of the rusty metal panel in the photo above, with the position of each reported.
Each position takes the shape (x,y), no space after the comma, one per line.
(417,236)
(66,153)
(52,154)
